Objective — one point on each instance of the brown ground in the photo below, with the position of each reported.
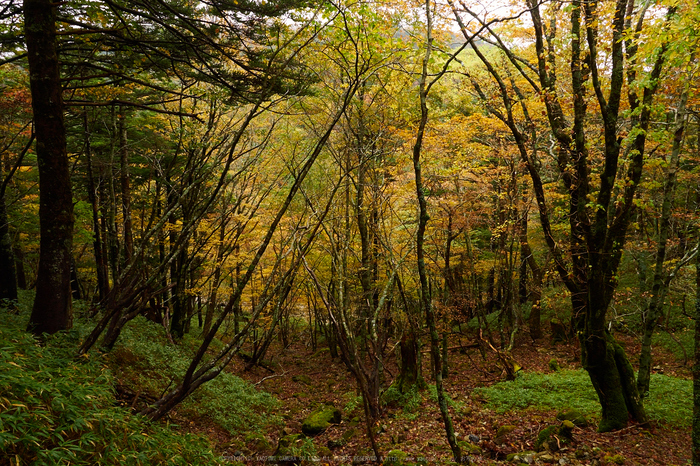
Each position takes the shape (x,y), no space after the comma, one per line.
(422,434)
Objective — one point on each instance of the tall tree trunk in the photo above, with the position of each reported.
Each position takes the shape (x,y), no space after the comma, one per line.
(19,265)
(696,366)
(660,284)
(126,188)
(423,218)
(98,249)
(52,310)
(216,280)
(8,275)
(527,258)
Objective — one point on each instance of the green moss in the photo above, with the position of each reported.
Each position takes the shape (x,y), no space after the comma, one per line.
(502,432)
(669,400)
(395,458)
(554,365)
(469,448)
(574,416)
(319,420)
(304,379)
(543,437)
(616,459)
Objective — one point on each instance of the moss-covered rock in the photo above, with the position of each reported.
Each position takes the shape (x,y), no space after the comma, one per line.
(395,458)
(558,330)
(502,432)
(615,459)
(289,445)
(469,448)
(347,435)
(574,416)
(554,365)
(543,438)
(305,379)
(319,420)
(552,438)
(258,442)
(521,457)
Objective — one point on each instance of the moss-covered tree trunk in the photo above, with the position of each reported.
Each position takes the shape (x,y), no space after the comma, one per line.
(661,279)
(410,376)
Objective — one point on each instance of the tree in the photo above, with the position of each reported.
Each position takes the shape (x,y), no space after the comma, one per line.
(16,138)
(52,310)
(599,212)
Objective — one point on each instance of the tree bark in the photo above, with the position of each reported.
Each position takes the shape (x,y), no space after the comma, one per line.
(52,309)
(125,187)
(696,366)
(8,275)
(98,248)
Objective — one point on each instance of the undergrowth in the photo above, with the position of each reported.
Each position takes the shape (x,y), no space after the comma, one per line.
(144,358)
(56,409)
(669,400)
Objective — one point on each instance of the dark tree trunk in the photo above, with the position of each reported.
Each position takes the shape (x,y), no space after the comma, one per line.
(126,189)
(8,275)
(98,247)
(410,376)
(19,266)
(527,258)
(75,287)
(52,309)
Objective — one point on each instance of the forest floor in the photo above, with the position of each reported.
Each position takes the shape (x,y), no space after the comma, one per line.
(303,379)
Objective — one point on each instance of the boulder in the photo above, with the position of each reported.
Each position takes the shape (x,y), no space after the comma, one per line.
(319,420)
(558,331)
(304,379)
(552,438)
(574,416)
(501,434)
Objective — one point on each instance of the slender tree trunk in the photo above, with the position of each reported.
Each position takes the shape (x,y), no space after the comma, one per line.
(423,218)
(112,237)
(8,275)
(211,304)
(52,310)
(660,284)
(696,366)
(98,249)
(19,265)
(527,258)
(126,189)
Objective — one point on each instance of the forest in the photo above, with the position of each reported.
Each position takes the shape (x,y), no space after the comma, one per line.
(349,232)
